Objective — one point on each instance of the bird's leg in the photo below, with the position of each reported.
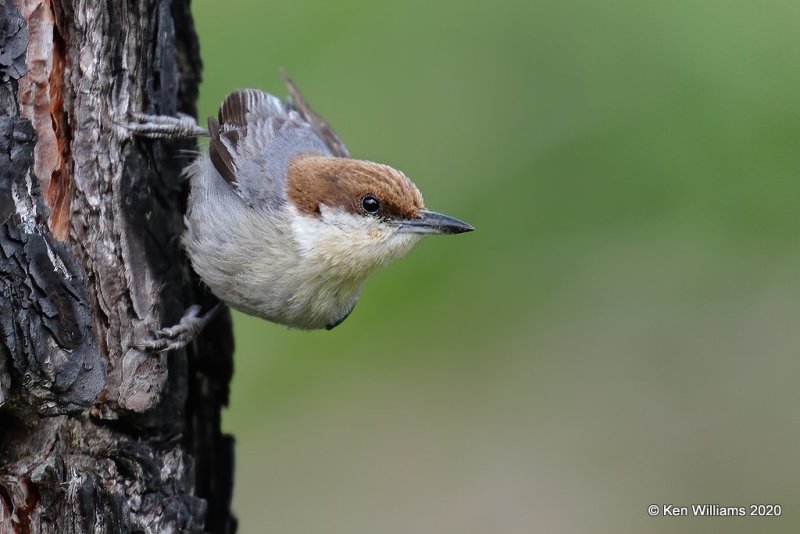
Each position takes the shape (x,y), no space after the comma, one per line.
(162,126)
(192,323)
(183,333)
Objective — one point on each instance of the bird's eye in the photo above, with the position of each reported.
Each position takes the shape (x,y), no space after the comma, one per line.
(370,204)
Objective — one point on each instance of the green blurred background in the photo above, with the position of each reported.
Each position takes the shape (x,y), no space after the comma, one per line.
(622,328)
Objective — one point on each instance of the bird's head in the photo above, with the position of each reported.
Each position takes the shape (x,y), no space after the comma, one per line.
(357,215)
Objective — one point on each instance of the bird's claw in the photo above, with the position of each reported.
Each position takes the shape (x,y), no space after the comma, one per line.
(179,335)
(162,126)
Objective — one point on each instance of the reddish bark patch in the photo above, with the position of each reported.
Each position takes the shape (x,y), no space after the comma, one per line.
(23,513)
(59,192)
(41,100)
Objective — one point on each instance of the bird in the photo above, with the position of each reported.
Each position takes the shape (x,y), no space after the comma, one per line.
(282,223)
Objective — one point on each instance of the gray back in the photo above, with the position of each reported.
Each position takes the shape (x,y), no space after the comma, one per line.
(253,143)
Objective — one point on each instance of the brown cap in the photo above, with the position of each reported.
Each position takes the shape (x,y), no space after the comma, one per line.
(344,183)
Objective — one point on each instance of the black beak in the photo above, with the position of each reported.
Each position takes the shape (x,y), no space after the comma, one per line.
(430,222)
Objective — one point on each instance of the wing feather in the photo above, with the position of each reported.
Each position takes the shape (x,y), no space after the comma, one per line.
(253,141)
(323,129)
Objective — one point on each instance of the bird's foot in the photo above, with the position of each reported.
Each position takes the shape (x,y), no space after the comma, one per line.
(162,126)
(178,336)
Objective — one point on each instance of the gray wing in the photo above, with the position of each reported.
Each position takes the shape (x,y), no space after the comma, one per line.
(253,142)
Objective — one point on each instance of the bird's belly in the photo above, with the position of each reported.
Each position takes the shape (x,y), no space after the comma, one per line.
(280,292)
(308,304)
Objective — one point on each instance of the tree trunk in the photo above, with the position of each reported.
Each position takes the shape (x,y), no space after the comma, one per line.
(95,435)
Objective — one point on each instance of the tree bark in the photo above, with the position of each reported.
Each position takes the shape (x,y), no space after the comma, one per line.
(95,435)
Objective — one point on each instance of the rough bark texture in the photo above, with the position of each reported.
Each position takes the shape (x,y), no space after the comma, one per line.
(97,436)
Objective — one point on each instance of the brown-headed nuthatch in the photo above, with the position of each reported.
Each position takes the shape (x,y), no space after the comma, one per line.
(281,222)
